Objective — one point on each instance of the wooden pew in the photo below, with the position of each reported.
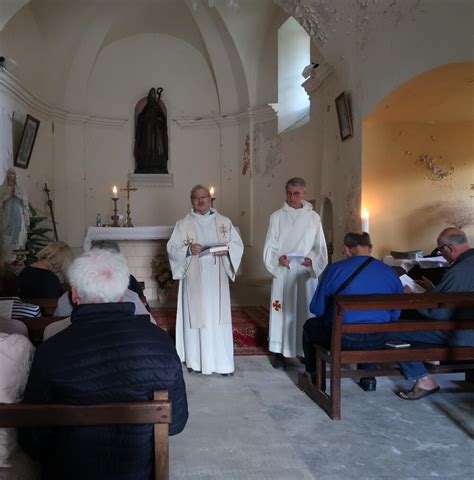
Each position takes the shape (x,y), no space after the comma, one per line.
(37,325)
(337,358)
(156,412)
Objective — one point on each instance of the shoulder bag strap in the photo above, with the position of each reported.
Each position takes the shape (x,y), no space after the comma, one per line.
(354,274)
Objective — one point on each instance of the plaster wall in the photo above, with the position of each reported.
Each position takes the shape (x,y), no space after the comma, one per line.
(40,170)
(373,48)
(408,205)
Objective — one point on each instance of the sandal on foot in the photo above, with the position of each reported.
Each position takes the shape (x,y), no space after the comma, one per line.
(417,392)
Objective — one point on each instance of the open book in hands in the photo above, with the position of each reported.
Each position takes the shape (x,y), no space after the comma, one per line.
(210,249)
(408,281)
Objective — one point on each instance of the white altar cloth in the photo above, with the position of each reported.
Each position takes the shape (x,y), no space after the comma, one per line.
(134,234)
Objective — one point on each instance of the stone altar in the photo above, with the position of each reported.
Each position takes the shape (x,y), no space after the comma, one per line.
(139,245)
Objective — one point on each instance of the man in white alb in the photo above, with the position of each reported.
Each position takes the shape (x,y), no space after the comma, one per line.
(203,321)
(295,254)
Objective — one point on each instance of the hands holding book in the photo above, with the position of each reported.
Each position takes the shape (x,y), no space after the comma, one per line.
(217,250)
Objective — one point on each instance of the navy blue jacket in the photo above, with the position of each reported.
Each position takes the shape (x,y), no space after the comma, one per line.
(107,355)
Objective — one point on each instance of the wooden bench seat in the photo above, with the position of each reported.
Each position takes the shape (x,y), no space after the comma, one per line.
(337,358)
(156,412)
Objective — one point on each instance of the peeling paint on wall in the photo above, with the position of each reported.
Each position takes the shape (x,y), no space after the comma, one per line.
(326,19)
(437,174)
(246,157)
(266,149)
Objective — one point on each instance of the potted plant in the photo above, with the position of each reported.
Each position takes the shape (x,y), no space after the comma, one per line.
(160,266)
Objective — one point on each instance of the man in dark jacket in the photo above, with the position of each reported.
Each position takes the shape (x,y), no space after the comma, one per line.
(453,244)
(107,355)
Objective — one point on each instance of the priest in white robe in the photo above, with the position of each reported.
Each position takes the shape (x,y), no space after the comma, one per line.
(203,321)
(295,254)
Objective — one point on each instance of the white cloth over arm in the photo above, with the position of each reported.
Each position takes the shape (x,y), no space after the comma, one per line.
(292,230)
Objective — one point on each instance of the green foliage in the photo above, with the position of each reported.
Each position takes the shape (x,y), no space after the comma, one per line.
(37,238)
(160,266)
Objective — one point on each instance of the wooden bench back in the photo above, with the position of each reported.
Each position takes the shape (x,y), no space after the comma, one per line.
(405,301)
(156,412)
(344,303)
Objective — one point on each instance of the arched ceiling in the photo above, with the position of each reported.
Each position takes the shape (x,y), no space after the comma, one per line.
(72,33)
(444,94)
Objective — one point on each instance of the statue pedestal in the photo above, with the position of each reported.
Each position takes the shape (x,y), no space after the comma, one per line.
(139,245)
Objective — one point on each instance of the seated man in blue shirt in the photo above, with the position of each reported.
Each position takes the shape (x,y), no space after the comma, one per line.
(453,244)
(358,274)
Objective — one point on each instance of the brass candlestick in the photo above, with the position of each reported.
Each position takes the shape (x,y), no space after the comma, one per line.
(128,189)
(212,202)
(115,216)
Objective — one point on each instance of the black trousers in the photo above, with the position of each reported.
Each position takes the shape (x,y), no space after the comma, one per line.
(315,331)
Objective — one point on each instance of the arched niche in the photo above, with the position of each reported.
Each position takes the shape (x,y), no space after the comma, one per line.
(418,160)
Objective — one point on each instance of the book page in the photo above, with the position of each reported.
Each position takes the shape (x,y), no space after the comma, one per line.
(406,280)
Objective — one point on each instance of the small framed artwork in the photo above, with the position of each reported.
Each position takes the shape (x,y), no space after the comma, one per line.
(27,142)
(344,116)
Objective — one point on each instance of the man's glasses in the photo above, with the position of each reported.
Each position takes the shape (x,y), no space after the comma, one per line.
(440,248)
(204,197)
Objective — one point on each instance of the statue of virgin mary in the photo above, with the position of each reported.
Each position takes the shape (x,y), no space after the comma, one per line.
(15,217)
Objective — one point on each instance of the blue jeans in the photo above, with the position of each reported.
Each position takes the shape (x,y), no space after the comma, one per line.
(416,370)
(315,331)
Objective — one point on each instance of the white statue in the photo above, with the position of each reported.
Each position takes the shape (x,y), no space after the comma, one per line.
(15,217)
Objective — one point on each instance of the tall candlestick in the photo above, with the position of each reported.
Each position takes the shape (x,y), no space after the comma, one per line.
(114,192)
(115,217)
(211,192)
(365,221)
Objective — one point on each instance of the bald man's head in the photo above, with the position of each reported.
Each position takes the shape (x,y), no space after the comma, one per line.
(452,242)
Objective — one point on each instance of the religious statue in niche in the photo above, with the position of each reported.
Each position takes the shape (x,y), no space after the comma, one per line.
(151,134)
(15,217)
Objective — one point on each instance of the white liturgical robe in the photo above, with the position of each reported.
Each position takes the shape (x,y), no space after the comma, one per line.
(299,232)
(203,320)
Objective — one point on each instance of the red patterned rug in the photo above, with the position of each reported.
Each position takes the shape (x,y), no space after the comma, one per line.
(249,325)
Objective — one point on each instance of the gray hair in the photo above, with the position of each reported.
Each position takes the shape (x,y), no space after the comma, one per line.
(454,236)
(357,239)
(198,187)
(99,276)
(296,182)
(105,245)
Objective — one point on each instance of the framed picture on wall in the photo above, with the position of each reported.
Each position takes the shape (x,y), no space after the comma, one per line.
(27,141)
(344,116)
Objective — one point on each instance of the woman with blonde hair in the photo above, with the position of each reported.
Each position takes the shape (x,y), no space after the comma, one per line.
(40,280)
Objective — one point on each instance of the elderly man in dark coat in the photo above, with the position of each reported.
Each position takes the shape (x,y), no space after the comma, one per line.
(106,355)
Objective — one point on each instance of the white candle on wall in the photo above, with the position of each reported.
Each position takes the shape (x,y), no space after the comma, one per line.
(211,191)
(365,220)
(114,192)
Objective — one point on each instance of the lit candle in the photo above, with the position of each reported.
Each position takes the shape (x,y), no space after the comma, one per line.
(365,221)
(211,191)
(114,192)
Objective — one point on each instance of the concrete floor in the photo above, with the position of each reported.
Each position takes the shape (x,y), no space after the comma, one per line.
(259,425)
